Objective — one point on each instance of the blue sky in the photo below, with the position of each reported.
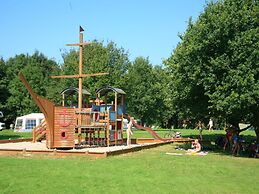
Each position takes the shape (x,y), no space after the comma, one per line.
(145,28)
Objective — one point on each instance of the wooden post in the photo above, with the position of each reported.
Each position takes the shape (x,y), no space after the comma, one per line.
(108,129)
(122,109)
(34,135)
(105,102)
(80,82)
(63,100)
(80,86)
(116,112)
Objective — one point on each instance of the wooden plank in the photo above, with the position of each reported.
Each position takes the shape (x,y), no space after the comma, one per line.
(79,44)
(64,133)
(90,126)
(79,76)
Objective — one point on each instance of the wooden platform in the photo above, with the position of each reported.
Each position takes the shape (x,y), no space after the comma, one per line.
(24,147)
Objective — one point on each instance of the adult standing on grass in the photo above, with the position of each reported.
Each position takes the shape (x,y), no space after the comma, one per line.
(236,148)
(129,131)
(228,138)
(210,125)
(200,128)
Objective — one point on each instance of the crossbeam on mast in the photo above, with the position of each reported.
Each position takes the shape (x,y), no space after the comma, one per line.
(79,44)
(78,76)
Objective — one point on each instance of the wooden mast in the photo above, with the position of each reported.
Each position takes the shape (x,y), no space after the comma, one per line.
(80,84)
(80,80)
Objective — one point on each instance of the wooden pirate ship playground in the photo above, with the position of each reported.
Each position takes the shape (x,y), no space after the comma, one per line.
(101,123)
(98,123)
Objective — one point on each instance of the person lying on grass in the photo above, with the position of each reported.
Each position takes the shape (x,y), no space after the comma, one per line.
(196,147)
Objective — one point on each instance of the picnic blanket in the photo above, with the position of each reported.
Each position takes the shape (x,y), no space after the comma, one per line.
(192,153)
(197,153)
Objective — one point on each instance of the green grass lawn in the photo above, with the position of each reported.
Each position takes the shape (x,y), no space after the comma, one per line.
(6,134)
(249,134)
(146,171)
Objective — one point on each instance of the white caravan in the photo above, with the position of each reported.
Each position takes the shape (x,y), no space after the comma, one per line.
(27,122)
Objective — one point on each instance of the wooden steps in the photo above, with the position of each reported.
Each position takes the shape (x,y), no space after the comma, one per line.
(39,132)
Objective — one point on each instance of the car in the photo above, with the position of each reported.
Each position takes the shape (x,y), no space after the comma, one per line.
(2,126)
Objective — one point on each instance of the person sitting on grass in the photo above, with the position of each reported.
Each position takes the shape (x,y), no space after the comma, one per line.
(196,147)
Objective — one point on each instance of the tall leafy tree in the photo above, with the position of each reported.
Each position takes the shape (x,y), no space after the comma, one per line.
(163,112)
(3,87)
(147,92)
(139,96)
(37,69)
(105,58)
(216,67)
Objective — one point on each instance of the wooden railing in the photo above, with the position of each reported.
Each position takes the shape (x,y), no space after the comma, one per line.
(90,118)
(39,132)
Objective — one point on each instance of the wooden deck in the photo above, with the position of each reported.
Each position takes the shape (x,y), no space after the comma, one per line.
(25,147)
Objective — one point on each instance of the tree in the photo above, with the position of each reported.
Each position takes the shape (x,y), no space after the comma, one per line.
(3,87)
(37,69)
(139,96)
(147,90)
(163,112)
(215,66)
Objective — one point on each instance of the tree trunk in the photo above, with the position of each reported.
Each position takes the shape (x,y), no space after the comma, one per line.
(256,125)
(257,134)
(175,121)
(170,123)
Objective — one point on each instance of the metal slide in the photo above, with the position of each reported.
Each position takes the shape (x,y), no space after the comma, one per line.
(148,129)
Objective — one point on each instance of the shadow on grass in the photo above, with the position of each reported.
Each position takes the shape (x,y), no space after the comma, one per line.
(9,136)
(213,142)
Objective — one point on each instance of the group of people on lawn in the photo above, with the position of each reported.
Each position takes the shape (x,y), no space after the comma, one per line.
(231,138)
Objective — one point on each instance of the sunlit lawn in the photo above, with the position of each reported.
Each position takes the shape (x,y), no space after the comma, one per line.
(10,134)
(146,171)
(249,134)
